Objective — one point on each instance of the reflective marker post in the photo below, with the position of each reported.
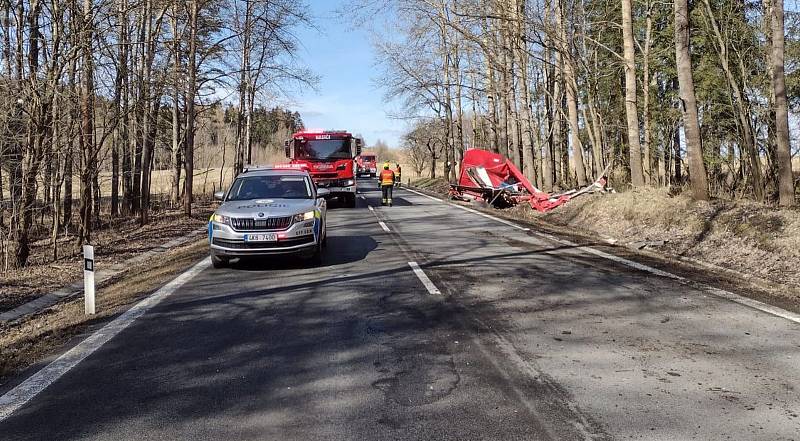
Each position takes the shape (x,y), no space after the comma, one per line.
(88,279)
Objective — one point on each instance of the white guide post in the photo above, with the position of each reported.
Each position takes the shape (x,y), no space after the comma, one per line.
(88,279)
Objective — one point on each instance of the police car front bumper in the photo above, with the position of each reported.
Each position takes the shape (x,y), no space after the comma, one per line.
(301,237)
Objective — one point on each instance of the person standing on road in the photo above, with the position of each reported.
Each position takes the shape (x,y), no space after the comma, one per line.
(387,183)
(398,174)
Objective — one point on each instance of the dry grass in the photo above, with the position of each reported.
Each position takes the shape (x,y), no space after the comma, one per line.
(24,343)
(743,236)
(206,180)
(746,237)
(115,243)
(438,185)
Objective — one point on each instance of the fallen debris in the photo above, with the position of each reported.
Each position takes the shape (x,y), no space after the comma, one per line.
(491,178)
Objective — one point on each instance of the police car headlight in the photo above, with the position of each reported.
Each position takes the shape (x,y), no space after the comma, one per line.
(349,182)
(304,216)
(220,219)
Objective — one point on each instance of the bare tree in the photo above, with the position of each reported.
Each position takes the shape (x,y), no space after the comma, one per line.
(631,110)
(690,119)
(784,155)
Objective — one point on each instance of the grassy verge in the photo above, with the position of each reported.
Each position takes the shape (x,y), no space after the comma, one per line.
(116,242)
(759,243)
(25,342)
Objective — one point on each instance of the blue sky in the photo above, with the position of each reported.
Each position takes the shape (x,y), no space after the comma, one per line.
(347,97)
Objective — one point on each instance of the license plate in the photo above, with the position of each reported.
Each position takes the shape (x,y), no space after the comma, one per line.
(268,237)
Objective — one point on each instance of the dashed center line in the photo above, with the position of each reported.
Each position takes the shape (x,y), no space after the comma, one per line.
(384,226)
(432,289)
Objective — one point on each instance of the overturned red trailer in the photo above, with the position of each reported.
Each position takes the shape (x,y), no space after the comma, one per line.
(493,179)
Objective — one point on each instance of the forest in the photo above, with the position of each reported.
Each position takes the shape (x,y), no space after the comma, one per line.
(695,95)
(99,99)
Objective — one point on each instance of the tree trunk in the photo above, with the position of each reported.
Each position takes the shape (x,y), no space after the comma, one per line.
(460,142)
(118,143)
(648,131)
(176,116)
(631,111)
(87,124)
(520,49)
(783,153)
(571,86)
(191,91)
(550,104)
(124,124)
(691,122)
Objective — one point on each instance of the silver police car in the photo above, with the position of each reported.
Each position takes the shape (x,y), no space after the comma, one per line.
(268,211)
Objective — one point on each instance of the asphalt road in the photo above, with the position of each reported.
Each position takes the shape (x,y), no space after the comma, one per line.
(528,339)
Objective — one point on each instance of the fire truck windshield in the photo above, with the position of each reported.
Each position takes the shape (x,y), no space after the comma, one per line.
(323,149)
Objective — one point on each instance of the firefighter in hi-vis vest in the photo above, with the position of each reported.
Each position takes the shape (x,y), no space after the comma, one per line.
(398,175)
(387,184)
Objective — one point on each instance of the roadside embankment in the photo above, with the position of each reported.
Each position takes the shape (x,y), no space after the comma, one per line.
(119,241)
(756,241)
(27,341)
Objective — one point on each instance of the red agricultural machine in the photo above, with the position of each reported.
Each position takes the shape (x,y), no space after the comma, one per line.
(491,178)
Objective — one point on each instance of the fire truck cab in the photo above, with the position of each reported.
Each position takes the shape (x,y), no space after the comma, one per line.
(367,164)
(329,156)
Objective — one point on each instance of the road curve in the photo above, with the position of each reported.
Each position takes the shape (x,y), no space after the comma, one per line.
(490,333)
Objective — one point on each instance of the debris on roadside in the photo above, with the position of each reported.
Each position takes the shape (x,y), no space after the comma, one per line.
(491,178)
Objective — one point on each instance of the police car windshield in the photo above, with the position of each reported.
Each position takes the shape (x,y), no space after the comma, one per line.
(323,149)
(270,187)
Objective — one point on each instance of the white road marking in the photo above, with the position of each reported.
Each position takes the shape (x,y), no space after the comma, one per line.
(432,289)
(384,226)
(35,384)
(370,208)
(487,216)
(761,306)
(362,197)
(423,195)
(727,295)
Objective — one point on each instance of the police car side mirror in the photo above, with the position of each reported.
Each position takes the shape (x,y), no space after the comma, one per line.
(220,195)
(323,192)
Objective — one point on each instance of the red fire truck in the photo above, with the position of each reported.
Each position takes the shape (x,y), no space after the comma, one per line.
(328,155)
(367,164)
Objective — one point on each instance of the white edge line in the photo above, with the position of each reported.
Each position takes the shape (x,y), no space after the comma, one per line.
(38,382)
(727,295)
(488,216)
(384,226)
(432,289)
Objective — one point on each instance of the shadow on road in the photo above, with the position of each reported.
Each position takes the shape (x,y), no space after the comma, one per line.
(335,253)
